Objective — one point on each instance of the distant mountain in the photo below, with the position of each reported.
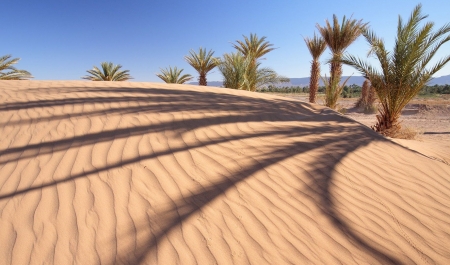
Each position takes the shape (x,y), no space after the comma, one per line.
(304,81)
(210,83)
(357,80)
(443,80)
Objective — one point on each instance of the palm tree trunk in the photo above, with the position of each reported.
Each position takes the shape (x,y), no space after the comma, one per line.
(372,96)
(314,81)
(387,123)
(334,90)
(202,80)
(363,100)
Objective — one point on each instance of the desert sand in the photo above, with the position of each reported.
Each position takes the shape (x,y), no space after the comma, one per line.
(149,173)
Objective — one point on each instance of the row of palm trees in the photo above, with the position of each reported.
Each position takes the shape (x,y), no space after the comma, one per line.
(203,62)
(240,69)
(401,73)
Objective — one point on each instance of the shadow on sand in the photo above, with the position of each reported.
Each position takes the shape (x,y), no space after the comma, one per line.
(338,138)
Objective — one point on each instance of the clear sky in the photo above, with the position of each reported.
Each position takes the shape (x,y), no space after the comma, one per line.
(61,39)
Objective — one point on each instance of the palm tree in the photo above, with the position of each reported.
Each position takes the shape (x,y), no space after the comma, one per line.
(403,71)
(202,62)
(316,47)
(253,47)
(233,68)
(242,70)
(239,72)
(109,72)
(13,74)
(174,76)
(338,37)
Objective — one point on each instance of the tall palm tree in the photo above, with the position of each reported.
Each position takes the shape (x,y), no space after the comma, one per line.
(13,74)
(338,37)
(174,76)
(109,72)
(403,71)
(202,62)
(316,47)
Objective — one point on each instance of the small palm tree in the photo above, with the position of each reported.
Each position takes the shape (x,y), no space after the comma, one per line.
(202,62)
(244,67)
(338,37)
(239,72)
(109,72)
(13,74)
(316,47)
(403,71)
(233,68)
(174,76)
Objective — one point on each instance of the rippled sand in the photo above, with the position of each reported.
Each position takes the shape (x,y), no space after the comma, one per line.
(147,173)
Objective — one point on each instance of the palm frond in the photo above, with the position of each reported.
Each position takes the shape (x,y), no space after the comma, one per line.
(109,72)
(253,46)
(6,64)
(173,75)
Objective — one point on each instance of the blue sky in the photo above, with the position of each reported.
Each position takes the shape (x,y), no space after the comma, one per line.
(61,39)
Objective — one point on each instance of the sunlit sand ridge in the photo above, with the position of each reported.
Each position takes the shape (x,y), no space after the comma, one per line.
(146,173)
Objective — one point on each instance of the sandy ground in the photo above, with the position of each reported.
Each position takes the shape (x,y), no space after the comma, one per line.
(146,173)
(427,118)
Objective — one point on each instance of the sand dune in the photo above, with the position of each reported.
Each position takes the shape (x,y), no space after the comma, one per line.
(145,173)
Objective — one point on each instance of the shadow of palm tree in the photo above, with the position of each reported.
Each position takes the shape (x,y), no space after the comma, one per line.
(338,135)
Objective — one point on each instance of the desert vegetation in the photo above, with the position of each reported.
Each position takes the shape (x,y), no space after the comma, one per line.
(108,72)
(9,72)
(404,71)
(202,62)
(173,76)
(242,69)
(316,47)
(338,36)
(368,96)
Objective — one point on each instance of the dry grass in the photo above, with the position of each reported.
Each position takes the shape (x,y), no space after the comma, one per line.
(408,133)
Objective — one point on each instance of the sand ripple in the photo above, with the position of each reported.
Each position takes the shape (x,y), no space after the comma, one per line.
(145,173)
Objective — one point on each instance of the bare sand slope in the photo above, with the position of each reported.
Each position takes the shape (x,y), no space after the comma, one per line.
(142,173)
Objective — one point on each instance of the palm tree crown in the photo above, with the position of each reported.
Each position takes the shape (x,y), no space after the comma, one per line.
(339,36)
(174,76)
(253,46)
(109,72)
(202,62)
(13,74)
(316,47)
(404,71)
